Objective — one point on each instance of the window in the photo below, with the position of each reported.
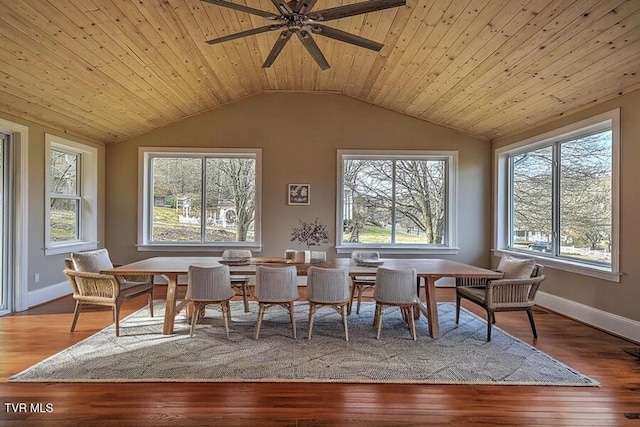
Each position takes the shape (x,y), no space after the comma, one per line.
(71,205)
(397,201)
(200,198)
(558,197)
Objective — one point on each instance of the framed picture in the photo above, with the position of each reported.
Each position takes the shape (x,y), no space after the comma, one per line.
(299,194)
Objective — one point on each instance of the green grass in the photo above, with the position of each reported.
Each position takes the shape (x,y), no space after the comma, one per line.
(371,234)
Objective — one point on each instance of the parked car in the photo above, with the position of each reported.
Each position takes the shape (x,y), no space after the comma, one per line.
(540,246)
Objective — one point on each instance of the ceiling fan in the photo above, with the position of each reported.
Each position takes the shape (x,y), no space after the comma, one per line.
(295,16)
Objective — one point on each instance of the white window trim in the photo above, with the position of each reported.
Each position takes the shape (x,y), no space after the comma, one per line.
(451,246)
(144,194)
(88,227)
(501,199)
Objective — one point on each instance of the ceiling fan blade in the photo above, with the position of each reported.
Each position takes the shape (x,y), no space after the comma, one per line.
(312,48)
(282,7)
(251,32)
(343,36)
(354,9)
(243,8)
(304,6)
(277,47)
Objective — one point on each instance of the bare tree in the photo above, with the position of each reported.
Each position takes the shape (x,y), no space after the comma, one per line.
(415,189)
(584,174)
(235,179)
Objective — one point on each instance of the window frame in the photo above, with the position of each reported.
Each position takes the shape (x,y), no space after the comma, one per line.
(503,189)
(87,196)
(145,196)
(451,240)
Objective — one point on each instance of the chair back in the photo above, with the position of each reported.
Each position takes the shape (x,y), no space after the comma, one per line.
(359,255)
(274,284)
(327,285)
(236,253)
(209,283)
(396,286)
(91,261)
(537,273)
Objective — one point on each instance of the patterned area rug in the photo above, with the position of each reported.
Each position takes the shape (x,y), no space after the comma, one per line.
(460,356)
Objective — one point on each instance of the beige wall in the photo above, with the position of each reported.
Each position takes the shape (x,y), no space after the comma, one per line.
(621,298)
(299,135)
(48,267)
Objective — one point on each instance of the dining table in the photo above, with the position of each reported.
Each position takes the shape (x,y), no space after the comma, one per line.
(428,270)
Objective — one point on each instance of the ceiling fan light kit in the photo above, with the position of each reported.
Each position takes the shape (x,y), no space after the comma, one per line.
(296,17)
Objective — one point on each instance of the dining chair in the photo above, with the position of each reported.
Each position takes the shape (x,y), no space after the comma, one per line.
(209,285)
(276,286)
(89,286)
(396,288)
(240,282)
(515,291)
(328,287)
(361,283)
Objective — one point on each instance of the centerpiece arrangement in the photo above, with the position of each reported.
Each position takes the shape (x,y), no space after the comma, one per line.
(309,234)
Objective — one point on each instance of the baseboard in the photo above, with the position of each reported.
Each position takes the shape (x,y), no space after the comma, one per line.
(40,296)
(617,325)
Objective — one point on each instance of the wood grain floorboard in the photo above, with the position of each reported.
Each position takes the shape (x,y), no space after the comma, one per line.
(30,336)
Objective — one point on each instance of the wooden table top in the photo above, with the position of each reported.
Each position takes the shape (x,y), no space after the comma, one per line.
(424,267)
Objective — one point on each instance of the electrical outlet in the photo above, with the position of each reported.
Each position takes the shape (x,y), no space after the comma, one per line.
(36,278)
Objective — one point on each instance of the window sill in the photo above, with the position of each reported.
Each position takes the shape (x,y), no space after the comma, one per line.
(195,247)
(395,250)
(565,265)
(70,247)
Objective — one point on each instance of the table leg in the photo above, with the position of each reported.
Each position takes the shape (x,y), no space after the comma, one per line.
(170,310)
(431,308)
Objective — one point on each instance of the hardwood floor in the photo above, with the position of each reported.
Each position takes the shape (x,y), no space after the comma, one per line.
(28,337)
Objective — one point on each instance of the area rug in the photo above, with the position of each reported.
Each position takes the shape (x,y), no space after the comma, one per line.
(460,356)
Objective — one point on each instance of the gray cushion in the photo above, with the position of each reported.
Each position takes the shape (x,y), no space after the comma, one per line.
(516,268)
(92,261)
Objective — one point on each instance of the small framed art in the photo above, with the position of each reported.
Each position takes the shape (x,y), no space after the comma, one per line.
(299,194)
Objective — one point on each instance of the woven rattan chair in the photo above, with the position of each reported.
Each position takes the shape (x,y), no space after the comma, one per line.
(328,287)
(209,285)
(507,294)
(90,287)
(396,288)
(276,286)
(240,282)
(361,283)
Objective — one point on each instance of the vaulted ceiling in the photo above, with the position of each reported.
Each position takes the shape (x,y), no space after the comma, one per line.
(107,70)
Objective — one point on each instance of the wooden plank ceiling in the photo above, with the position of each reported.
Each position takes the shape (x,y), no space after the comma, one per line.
(108,70)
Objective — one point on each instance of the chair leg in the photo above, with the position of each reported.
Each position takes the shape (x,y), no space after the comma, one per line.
(194,317)
(151,304)
(226,310)
(412,324)
(533,324)
(359,299)
(343,310)
(352,293)
(489,317)
(375,315)
(457,309)
(312,312)
(259,323)
(293,320)
(493,318)
(76,313)
(245,296)
(381,309)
